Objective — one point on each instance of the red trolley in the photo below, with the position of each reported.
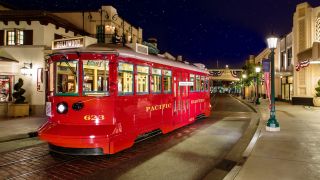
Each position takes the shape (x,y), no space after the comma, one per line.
(103,99)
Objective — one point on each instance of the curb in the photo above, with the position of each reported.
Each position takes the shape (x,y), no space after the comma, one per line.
(231,164)
(236,169)
(18,136)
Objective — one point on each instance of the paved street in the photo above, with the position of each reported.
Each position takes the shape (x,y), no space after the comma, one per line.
(188,153)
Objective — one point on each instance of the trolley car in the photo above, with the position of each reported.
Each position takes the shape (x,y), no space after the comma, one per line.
(102,100)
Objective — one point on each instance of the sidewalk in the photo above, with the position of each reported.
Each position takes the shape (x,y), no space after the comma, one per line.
(19,128)
(293,153)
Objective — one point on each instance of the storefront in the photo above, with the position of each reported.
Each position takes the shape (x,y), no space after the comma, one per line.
(286,88)
(8,70)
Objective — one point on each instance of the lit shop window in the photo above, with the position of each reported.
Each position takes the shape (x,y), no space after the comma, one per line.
(5,91)
(125,79)
(156,80)
(142,80)
(67,77)
(95,77)
(202,83)
(167,81)
(198,83)
(192,80)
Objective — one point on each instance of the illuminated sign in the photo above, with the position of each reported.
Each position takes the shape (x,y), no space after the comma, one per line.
(186,83)
(68,43)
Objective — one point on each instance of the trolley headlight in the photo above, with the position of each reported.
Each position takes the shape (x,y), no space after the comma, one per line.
(62,107)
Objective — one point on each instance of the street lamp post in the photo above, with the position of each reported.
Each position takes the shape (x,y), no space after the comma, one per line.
(244,76)
(258,70)
(272,124)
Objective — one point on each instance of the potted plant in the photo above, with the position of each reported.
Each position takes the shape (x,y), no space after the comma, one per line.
(19,107)
(316,99)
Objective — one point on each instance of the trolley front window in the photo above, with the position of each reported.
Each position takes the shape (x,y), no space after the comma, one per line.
(66,78)
(95,77)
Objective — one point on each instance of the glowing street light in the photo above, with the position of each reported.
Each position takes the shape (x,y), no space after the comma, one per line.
(272,124)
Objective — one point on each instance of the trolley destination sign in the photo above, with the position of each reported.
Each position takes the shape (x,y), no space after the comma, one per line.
(68,43)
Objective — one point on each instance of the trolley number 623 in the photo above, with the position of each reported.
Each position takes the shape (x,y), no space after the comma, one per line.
(93,117)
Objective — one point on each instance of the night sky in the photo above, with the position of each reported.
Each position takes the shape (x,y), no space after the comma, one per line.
(205,31)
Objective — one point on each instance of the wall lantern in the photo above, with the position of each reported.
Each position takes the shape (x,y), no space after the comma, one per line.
(26,69)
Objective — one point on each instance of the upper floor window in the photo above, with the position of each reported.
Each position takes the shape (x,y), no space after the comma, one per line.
(125,78)
(156,80)
(318,28)
(282,59)
(12,37)
(142,80)
(289,56)
(100,34)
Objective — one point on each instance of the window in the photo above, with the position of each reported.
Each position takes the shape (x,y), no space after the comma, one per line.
(167,81)
(95,77)
(289,56)
(318,28)
(5,88)
(156,80)
(192,80)
(125,79)
(100,34)
(282,59)
(142,80)
(198,83)
(66,77)
(202,83)
(206,84)
(15,37)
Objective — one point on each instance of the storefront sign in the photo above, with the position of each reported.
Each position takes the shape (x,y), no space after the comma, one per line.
(68,43)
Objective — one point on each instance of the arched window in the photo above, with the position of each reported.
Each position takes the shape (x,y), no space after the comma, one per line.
(318,28)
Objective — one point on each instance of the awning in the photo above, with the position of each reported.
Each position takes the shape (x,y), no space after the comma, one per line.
(4,59)
(311,54)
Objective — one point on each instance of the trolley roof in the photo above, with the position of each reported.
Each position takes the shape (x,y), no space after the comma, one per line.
(127,52)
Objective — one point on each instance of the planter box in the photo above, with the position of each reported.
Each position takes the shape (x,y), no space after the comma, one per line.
(18,110)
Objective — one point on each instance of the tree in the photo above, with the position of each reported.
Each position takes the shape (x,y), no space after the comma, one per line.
(318,89)
(19,91)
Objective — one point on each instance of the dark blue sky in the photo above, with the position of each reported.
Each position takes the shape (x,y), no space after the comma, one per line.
(200,30)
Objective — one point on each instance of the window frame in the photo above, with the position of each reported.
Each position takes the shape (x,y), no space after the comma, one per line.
(193,87)
(133,78)
(56,93)
(160,81)
(148,79)
(163,78)
(18,37)
(96,93)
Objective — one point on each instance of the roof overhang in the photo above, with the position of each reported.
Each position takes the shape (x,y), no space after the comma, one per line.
(311,54)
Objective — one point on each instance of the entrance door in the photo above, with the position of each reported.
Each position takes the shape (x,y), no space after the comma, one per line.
(181,104)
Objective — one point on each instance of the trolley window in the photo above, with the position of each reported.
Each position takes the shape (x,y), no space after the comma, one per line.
(206,84)
(192,80)
(66,78)
(142,80)
(202,83)
(125,79)
(167,78)
(198,83)
(95,77)
(156,80)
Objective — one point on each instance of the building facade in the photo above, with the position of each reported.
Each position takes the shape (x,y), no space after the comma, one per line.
(306,52)
(104,24)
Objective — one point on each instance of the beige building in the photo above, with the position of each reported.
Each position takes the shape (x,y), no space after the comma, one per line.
(103,24)
(306,52)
